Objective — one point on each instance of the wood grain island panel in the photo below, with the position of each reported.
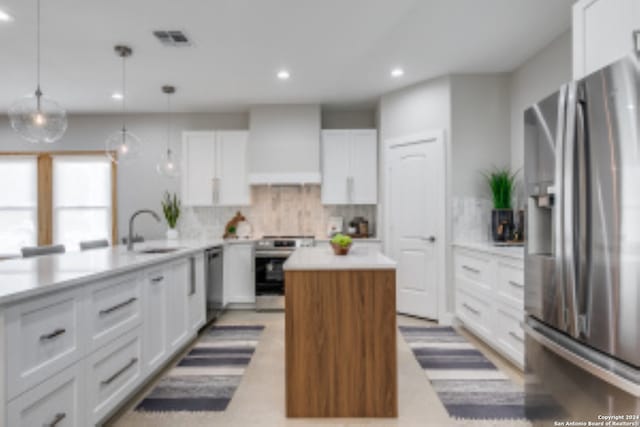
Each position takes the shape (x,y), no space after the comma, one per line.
(340,339)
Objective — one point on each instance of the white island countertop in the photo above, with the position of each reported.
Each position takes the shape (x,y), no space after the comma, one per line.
(27,277)
(323,258)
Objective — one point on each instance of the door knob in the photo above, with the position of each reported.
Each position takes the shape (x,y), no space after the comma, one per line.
(431,239)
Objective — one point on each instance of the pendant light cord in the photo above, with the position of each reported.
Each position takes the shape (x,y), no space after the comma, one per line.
(169,124)
(124,94)
(38,90)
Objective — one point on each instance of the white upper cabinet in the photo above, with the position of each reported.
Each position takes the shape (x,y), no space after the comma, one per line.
(349,167)
(215,168)
(602,33)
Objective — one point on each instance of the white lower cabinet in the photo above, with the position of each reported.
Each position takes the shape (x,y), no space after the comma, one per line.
(239,274)
(111,373)
(490,297)
(71,358)
(56,402)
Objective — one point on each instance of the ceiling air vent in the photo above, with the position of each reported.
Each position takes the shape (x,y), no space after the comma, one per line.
(173,38)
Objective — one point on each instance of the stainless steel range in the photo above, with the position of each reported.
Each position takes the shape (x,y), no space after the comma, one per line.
(271,253)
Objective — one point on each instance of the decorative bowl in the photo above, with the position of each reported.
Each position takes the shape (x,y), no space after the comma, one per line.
(340,250)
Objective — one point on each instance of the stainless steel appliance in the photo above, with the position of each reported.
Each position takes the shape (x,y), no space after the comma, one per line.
(582,256)
(213,285)
(271,253)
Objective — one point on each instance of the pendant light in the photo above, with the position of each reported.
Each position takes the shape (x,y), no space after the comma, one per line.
(168,165)
(34,117)
(123,146)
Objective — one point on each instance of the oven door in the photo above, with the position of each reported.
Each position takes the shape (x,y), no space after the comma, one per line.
(270,280)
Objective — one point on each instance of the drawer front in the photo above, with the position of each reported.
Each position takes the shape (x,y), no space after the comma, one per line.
(112,373)
(511,283)
(56,402)
(474,312)
(509,334)
(474,267)
(44,336)
(114,308)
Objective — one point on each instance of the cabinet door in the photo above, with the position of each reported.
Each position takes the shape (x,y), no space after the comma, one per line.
(239,274)
(197,304)
(232,180)
(335,167)
(198,168)
(177,305)
(155,325)
(602,33)
(363,167)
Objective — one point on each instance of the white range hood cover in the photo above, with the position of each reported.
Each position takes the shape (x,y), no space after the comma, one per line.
(291,178)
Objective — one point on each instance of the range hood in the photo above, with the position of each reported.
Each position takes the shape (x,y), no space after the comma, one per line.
(284,145)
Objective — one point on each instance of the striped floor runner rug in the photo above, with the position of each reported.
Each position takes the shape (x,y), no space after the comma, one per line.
(467,383)
(206,378)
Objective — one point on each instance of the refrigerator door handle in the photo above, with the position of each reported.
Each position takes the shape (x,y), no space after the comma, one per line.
(558,213)
(582,291)
(569,211)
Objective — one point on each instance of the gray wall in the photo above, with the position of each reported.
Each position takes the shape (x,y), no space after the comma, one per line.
(348,119)
(139,186)
(479,130)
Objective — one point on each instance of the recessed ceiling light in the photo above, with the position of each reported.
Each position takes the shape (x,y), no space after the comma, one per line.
(5,17)
(397,72)
(117,96)
(284,75)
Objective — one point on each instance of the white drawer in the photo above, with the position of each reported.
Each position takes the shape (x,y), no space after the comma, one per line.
(474,311)
(56,402)
(44,336)
(509,335)
(114,308)
(112,373)
(511,283)
(473,266)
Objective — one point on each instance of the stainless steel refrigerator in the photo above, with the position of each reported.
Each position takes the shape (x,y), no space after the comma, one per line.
(582,256)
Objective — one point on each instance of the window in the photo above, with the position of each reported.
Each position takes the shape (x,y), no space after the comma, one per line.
(63,197)
(18,203)
(81,199)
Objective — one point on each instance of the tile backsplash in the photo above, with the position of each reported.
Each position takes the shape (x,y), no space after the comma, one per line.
(274,210)
(471,219)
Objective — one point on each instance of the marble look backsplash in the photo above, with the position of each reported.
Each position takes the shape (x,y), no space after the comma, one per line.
(274,210)
(471,219)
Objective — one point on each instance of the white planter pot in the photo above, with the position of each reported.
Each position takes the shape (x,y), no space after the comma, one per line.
(172,234)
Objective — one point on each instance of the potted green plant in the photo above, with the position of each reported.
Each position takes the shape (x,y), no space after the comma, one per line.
(501,183)
(171,210)
(341,244)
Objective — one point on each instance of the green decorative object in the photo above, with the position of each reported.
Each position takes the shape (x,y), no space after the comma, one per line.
(341,244)
(502,183)
(171,209)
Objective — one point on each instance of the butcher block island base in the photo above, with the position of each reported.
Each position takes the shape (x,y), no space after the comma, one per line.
(340,334)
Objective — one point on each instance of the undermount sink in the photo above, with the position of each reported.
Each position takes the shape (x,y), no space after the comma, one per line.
(157,250)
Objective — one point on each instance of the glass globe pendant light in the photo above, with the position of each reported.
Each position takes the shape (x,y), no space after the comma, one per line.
(168,165)
(34,117)
(123,146)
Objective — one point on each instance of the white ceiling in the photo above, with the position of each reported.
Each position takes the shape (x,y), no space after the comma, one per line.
(339,52)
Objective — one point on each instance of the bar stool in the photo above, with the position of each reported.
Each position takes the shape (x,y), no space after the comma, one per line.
(32,251)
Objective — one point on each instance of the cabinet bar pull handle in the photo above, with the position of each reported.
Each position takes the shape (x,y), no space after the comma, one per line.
(471,309)
(118,306)
(56,420)
(516,284)
(53,334)
(157,279)
(471,269)
(516,336)
(121,371)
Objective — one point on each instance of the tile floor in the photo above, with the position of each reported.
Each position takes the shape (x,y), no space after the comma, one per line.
(259,401)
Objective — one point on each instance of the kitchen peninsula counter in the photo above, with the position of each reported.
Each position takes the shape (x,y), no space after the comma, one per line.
(340,336)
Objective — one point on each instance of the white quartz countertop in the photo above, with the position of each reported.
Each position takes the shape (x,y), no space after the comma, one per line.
(26,277)
(323,258)
(507,251)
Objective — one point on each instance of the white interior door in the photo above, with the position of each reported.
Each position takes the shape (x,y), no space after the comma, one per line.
(415,209)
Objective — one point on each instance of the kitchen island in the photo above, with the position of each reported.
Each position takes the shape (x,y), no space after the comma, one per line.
(340,334)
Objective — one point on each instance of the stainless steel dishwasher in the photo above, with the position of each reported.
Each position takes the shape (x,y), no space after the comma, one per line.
(214,276)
